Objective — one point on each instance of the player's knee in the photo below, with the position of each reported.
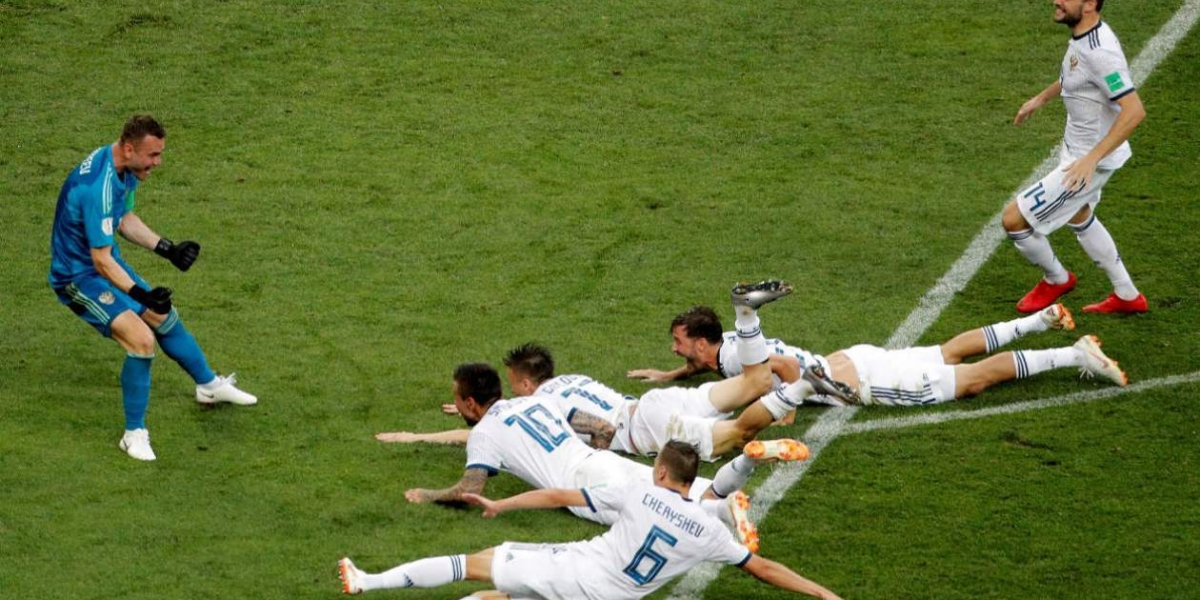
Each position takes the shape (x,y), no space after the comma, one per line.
(1012,219)
(141,342)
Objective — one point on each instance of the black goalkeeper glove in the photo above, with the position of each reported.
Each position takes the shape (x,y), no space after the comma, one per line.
(182,255)
(157,300)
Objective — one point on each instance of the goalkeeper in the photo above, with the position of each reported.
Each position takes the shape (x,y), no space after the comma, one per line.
(91,278)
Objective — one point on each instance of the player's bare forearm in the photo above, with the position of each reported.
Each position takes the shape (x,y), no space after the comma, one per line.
(135,230)
(531,500)
(108,268)
(472,482)
(780,576)
(1131,115)
(453,437)
(1033,104)
(601,431)
(654,375)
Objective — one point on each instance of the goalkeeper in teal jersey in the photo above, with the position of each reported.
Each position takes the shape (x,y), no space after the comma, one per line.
(91,278)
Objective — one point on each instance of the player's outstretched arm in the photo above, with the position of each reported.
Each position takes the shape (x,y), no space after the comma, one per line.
(535,499)
(601,431)
(656,376)
(780,576)
(453,437)
(1033,104)
(137,231)
(472,482)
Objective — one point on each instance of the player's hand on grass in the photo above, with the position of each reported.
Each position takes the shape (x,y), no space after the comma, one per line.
(491,508)
(416,496)
(449,409)
(652,375)
(157,300)
(182,255)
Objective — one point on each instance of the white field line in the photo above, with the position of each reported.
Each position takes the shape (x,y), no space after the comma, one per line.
(1018,407)
(831,424)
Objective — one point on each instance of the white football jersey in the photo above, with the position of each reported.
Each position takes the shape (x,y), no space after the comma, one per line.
(729,365)
(528,437)
(1094,75)
(579,392)
(657,536)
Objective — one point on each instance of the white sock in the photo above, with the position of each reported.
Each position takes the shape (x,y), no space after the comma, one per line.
(1000,334)
(1099,245)
(208,387)
(780,402)
(427,572)
(1032,362)
(751,345)
(733,476)
(1035,247)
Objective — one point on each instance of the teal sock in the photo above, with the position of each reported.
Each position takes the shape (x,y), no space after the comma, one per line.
(135,390)
(178,343)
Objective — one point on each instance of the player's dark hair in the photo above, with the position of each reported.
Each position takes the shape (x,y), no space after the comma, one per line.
(478,381)
(699,322)
(532,361)
(140,126)
(681,460)
(1099,5)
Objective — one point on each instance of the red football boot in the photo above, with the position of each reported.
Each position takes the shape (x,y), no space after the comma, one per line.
(1045,293)
(1113,304)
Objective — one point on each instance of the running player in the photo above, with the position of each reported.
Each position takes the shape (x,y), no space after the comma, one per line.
(657,535)
(1103,109)
(91,278)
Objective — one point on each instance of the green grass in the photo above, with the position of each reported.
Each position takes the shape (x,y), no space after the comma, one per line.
(384,190)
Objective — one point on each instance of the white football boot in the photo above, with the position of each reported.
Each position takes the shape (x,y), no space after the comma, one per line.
(1058,316)
(349,574)
(733,513)
(136,443)
(1096,363)
(224,389)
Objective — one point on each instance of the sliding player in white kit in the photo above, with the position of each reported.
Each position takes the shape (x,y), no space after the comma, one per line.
(657,535)
(638,426)
(529,436)
(907,376)
(1103,109)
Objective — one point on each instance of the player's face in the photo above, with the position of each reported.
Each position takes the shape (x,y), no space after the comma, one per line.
(520,385)
(684,346)
(143,156)
(467,408)
(1068,12)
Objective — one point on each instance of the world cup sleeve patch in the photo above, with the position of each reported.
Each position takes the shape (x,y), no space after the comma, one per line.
(1115,82)
(106,226)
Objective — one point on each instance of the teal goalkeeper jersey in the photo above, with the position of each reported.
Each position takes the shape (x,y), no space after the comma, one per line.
(91,204)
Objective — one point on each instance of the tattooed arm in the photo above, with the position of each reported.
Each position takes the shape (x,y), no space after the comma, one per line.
(601,431)
(472,482)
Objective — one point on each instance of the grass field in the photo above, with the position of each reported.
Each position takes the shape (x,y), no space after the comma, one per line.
(384,190)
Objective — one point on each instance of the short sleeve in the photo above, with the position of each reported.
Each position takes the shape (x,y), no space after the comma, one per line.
(482,452)
(1109,71)
(726,550)
(97,213)
(607,498)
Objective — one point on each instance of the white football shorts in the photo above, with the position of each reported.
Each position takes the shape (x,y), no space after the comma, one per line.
(907,377)
(541,571)
(658,408)
(1047,205)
